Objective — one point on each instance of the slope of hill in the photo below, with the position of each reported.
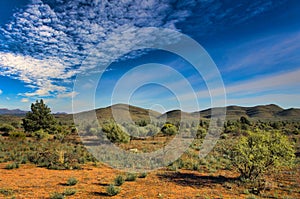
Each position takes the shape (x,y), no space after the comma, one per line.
(262,112)
(120,112)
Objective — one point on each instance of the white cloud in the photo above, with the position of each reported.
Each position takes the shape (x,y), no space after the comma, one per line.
(24,100)
(67,95)
(44,45)
(266,52)
(1,91)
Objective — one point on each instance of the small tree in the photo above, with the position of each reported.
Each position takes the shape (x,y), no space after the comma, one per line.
(114,133)
(261,151)
(38,118)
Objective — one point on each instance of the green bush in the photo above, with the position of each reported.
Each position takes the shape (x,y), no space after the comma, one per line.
(13,165)
(114,133)
(17,135)
(72,181)
(40,134)
(6,128)
(112,190)
(119,180)
(261,151)
(69,192)
(6,192)
(131,177)
(57,195)
(169,129)
(143,175)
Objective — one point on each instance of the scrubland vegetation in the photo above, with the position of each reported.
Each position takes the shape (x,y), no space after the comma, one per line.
(255,152)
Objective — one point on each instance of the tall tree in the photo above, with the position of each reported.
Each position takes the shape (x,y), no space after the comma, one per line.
(39,117)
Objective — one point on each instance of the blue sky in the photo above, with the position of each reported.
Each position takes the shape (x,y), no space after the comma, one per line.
(44,43)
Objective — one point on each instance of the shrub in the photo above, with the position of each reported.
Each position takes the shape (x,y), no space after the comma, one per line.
(6,192)
(114,133)
(260,151)
(143,175)
(131,177)
(201,133)
(17,135)
(69,192)
(13,165)
(112,190)
(72,181)
(57,195)
(40,134)
(6,128)
(169,129)
(119,180)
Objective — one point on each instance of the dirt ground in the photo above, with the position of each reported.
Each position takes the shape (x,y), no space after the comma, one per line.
(29,181)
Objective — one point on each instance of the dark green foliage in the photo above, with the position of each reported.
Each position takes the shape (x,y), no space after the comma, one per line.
(130,177)
(57,195)
(13,165)
(17,135)
(40,134)
(201,133)
(39,117)
(261,151)
(119,180)
(112,190)
(69,192)
(114,133)
(6,192)
(6,129)
(245,120)
(141,123)
(72,181)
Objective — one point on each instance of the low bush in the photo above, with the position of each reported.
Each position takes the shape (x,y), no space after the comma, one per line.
(143,175)
(130,177)
(17,135)
(13,165)
(72,181)
(57,195)
(119,180)
(69,192)
(112,190)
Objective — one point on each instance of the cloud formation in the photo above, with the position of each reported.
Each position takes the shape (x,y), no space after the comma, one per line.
(45,44)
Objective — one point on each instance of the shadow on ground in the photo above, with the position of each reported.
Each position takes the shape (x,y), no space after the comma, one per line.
(194,180)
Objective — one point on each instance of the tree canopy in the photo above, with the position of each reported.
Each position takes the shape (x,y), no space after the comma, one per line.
(38,118)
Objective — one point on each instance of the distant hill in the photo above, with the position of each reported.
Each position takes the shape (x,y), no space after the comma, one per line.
(261,112)
(4,111)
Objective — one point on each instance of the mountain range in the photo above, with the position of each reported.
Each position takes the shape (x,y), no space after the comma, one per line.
(5,111)
(260,112)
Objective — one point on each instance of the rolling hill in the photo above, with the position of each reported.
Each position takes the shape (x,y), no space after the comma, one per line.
(261,112)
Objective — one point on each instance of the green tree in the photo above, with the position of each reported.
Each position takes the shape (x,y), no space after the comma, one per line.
(261,151)
(245,120)
(38,118)
(114,133)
